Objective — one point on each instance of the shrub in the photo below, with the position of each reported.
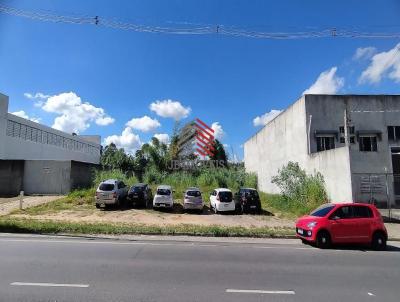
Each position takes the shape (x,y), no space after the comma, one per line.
(299,188)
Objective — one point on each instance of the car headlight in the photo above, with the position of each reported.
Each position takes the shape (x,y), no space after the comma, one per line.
(311,224)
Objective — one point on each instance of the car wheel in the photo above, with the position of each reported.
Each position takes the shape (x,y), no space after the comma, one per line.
(303,241)
(97,206)
(379,241)
(323,240)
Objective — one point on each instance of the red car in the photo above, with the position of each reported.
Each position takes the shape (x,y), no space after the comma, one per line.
(343,223)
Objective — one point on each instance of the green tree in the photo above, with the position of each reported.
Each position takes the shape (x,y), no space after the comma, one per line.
(114,158)
(156,153)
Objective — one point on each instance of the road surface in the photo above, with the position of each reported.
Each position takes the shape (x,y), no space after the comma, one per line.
(39,268)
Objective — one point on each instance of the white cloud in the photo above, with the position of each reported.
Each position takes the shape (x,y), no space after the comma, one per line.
(127,140)
(171,109)
(22,114)
(218,131)
(266,118)
(37,95)
(364,53)
(74,115)
(383,64)
(145,124)
(104,121)
(162,137)
(327,83)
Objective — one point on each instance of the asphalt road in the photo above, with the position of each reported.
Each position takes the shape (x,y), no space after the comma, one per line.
(34,268)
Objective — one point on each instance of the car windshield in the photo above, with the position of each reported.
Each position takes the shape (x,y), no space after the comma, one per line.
(322,210)
(193,193)
(106,187)
(251,193)
(163,192)
(137,189)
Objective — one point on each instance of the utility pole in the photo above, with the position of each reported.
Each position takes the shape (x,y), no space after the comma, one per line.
(346,135)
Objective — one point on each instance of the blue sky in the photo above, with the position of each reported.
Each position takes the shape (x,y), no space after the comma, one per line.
(226,80)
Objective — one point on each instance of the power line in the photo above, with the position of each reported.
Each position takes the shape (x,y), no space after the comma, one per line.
(194,30)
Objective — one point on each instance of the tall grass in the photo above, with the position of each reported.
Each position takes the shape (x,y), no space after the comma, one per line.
(205,179)
(100,176)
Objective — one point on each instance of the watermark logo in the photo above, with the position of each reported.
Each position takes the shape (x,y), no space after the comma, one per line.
(196,140)
(204,138)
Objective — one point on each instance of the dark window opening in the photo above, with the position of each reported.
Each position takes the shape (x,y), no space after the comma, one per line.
(349,128)
(352,140)
(342,213)
(393,133)
(106,187)
(361,212)
(325,143)
(322,211)
(368,144)
(342,140)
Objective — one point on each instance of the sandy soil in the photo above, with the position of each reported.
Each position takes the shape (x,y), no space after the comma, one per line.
(7,205)
(142,216)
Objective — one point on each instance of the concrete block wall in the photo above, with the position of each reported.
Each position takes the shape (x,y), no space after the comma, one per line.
(282,140)
(47,177)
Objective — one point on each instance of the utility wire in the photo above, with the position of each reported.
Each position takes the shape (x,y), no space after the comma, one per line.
(194,30)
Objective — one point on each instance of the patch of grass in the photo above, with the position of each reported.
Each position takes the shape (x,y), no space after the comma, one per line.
(76,200)
(289,208)
(17,225)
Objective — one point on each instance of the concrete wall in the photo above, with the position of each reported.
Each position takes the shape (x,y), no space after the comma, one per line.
(282,140)
(47,177)
(81,175)
(365,113)
(22,139)
(3,123)
(285,139)
(334,165)
(11,177)
(19,148)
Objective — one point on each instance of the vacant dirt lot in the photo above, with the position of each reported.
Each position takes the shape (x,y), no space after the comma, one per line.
(151,217)
(9,204)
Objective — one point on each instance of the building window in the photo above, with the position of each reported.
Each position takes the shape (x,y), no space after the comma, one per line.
(352,139)
(349,128)
(342,140)
(368,143)
(393,133)
(325,143)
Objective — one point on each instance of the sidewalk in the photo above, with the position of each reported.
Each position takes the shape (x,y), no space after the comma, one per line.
(7,205)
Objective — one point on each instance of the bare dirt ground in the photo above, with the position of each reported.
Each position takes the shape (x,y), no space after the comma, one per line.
(7,205)
(151,217)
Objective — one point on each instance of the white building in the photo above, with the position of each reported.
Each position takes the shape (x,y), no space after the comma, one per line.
(360,161)
(41,160)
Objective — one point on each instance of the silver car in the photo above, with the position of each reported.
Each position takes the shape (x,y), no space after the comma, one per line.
(192,199)
(111,192)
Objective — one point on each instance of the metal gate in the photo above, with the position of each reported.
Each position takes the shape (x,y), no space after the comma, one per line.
(381,190)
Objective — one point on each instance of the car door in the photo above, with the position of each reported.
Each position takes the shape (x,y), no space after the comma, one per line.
(124,189)
(342,225)
(212,198)
(363,219)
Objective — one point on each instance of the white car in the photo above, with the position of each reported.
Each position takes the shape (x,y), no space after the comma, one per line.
(163,197)
(110,192)
(221,200)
